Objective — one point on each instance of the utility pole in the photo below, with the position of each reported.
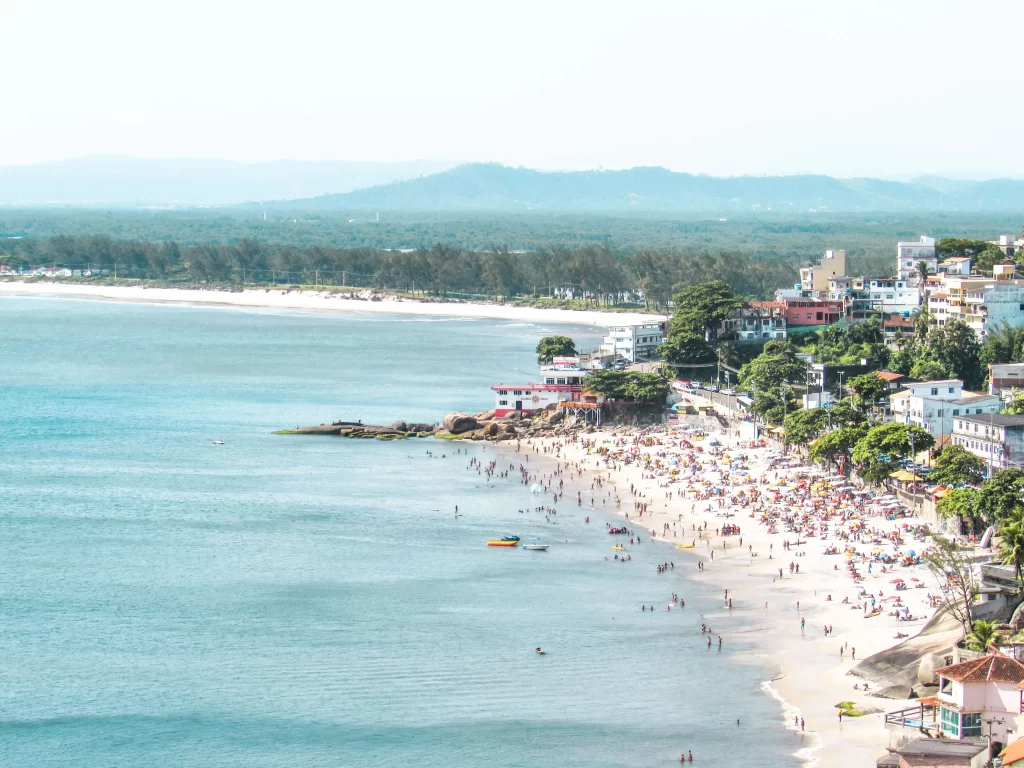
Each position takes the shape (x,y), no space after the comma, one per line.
(989,722)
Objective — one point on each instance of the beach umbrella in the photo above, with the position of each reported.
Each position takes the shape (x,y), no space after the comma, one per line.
(896,581)
(915,580)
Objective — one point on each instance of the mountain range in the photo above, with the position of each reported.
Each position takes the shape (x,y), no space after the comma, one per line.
(104,180)
(113,181)
(498,188)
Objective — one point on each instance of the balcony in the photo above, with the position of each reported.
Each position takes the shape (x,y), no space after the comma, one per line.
(920,718)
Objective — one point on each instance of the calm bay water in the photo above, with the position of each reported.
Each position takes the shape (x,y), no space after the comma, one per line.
(297,601)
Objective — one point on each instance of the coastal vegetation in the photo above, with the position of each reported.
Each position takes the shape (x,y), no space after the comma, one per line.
(551,347)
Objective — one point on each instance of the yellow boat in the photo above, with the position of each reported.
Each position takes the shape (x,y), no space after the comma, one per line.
(684,546)
(508,541)
(618,546)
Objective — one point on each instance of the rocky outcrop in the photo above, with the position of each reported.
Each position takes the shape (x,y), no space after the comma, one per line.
(458,423)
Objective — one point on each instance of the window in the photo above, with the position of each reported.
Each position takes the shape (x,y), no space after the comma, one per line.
(502,391)
(935,390)
(549,381)
(560,381)
(970,725)
(951,390)
(517,392)
(527,393)
(819,316)
(950,722)
(956,411)
(809,316)
(503,402)
(977,410)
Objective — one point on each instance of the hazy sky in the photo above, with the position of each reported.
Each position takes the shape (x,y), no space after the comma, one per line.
(867,87)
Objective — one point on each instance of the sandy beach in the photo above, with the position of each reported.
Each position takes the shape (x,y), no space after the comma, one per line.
(320,301)
(815,587)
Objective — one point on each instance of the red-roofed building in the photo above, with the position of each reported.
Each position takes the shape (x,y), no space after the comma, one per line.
(1013,755)
(976,691)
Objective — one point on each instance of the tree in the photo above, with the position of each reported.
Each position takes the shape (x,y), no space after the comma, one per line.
(928,370)
(775,366)
(999,495)
(981,636)
(954,567)
(988,258)
(955,465)
(958,501)
(773,405)
(804,425)
(878,453)
(868,390)
(701,308)
(1011,541)
(551,347)
(646,387)
(843,415)
(836,447)
(687,348)
(950,247)
(628,385)
(955,346)
(1016,405)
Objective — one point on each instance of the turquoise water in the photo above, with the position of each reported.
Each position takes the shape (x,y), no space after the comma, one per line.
(296,601)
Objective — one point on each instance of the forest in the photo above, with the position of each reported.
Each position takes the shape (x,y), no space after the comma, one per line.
(604,257)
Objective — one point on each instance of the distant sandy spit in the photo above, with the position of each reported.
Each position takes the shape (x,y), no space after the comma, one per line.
(322,300)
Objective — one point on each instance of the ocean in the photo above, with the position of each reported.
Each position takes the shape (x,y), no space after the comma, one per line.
(312,601)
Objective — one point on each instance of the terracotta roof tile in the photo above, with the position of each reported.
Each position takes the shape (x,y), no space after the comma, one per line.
(994,668)
(1013,753)
(888,375)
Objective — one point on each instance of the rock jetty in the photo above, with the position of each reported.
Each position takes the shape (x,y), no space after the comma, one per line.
(455,426)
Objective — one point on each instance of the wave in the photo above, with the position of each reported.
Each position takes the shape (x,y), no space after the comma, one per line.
(807,755)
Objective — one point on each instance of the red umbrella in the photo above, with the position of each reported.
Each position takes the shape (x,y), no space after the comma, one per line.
(915,579)
(896,581)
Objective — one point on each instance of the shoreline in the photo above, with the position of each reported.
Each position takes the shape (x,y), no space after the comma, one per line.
(319,301)
(811,676)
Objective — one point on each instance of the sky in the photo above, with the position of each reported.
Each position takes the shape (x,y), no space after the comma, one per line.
(885,88)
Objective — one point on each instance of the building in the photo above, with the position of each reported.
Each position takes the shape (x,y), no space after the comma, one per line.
(911,254)
(758,321)
(816,278)
(980,302)
(956,265)
(562,380)
(937,753)
(1013,755)
(633,342)
(1004,378)
(980,698)
(933,405)
(998,438)
(811,313)
(896,328)
(1009,244)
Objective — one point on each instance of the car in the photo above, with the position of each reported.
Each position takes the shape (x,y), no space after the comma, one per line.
(712,388)
(729,391)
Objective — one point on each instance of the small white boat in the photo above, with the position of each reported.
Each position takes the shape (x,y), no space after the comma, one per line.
(218,442)
(539,547)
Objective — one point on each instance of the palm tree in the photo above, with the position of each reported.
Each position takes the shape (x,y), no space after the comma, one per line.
(981,636)
(922,275)
(1011,541)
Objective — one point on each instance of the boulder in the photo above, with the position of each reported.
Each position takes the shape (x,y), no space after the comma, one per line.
(492,429)
(457,423)
(555,417)
(420,427)
(401,426)
(484,415)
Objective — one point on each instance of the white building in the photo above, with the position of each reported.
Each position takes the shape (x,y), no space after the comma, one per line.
(1005,378)
(980,698)
(980,302)
(997,439)
(932,405)
(758,321)
(562,380)
(633,342)
(910,254)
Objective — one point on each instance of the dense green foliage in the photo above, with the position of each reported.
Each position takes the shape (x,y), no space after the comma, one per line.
(955,465)
(879,452)
(555,346)
(836,447)
(756,254)
(999,495)
(629,385)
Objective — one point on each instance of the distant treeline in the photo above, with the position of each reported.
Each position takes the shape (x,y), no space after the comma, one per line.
(869,240)
(599,273)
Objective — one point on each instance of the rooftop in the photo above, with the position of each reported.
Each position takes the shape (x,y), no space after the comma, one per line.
(1013,753)
(996,419)
(943,747)
(974,397)
(889,375)
(994,668)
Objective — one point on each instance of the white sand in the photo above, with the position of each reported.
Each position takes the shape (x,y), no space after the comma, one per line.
(320,301)
(812,678)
